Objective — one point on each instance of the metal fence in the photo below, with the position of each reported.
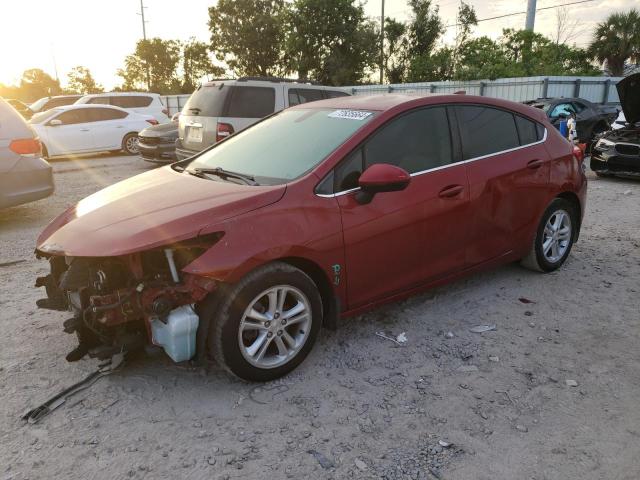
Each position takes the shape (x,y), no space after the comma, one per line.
(174,103)
(595,89)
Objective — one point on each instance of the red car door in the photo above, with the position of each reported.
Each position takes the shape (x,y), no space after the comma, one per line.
(402,239)
(508,179)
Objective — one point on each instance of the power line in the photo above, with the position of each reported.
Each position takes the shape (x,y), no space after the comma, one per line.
(522,13)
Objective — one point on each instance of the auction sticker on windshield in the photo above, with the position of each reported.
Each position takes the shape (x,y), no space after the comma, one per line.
(350,114)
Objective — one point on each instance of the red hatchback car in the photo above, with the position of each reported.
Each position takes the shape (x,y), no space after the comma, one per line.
(320,211)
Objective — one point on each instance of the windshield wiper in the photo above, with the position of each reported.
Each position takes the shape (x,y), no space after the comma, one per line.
(222,173)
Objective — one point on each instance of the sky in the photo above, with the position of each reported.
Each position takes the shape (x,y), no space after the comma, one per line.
(62,34)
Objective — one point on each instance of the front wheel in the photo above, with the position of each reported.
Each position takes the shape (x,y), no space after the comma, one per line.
(265,325)
(130,144)
(554,237)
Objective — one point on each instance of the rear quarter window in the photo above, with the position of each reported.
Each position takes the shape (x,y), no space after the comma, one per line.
(486,130)
(251,102)
(527,130)
(131,101)
(336,94)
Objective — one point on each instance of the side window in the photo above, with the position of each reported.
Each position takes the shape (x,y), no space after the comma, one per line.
(131,101)
(104,114)
(579,106)
(486,130)
(562,109)
(99,100)
(335,94)
(71,117)
(252,102)
(526,130)
(308,94)
(417,141)
(293,97)
(348,172)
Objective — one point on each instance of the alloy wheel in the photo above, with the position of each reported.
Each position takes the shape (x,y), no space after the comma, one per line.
(556,237)
(275,326)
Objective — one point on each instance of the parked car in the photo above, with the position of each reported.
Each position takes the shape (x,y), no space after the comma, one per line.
(157,143)
(324,209)
(618,152)
(24,175)
(80,129)
(218,109)
(591,119)
(21,107)
(144,103)
(47,103)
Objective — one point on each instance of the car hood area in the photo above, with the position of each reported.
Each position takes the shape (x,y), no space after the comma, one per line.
(629,93)
(149,210)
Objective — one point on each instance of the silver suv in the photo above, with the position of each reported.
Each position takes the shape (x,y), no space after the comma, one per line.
(220,108)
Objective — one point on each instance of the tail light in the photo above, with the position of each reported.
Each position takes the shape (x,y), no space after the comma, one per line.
(26,146)
(224,130)
(152,121)
(578,153)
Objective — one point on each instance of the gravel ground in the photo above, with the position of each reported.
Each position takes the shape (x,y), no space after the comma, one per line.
(551,393)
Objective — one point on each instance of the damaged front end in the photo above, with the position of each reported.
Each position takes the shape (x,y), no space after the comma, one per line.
(120,304)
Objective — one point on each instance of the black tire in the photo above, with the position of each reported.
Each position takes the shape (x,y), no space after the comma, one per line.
(130,144)
(536,259)
(226,308)
(602,175)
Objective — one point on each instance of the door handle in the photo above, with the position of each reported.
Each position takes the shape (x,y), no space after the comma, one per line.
(533,164)
(451,191)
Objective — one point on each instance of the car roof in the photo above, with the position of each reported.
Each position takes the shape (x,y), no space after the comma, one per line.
(399,102)
(248,82)
(119,94)
(75,106)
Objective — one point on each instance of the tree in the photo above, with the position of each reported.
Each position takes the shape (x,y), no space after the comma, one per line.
(81,81)
(153,64)
(331,41)
(424,29)
(466,20)
(35,84)
(248,35)
(617,40)
(482,58)
(196,64)
(566,29)
(395,50)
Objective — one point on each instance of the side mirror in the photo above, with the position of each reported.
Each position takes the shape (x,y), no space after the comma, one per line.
(55,122)
(379,178)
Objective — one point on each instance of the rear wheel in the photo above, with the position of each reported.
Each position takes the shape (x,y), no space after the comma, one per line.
(265,325)
(554,237)
(130,144)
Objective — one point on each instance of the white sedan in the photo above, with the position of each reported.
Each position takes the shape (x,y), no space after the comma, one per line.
(79,129)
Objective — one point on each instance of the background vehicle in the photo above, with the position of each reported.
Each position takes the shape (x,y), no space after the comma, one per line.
(591,119)
(143,103)
(327,208)
(74,129)
(22,108)
(47,103)
(218,109)
(157,143)
(618,152)
(24,175)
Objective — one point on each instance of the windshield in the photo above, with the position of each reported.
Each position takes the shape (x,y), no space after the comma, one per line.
(44,116)
(284,146)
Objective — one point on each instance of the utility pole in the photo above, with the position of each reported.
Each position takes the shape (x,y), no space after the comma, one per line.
(144,37)
(144,27)
(382,45)
(531,15)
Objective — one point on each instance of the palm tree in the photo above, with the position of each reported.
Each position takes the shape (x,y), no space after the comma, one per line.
(616,40)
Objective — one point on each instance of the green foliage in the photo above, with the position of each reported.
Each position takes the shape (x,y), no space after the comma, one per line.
(36,84)
(248,35)
(152,67)
(81,81)
(617,40)
(331,41)
(196,64)
(395,50)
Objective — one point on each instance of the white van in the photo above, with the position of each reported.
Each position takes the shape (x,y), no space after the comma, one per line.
(221,107)
(139,102)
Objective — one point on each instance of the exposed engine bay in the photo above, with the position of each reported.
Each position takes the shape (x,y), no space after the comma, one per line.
(618,152)
(118,303)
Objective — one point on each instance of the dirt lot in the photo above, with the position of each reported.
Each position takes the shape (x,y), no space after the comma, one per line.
(360,406)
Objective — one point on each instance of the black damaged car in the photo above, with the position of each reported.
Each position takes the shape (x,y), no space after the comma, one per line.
(618,152)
